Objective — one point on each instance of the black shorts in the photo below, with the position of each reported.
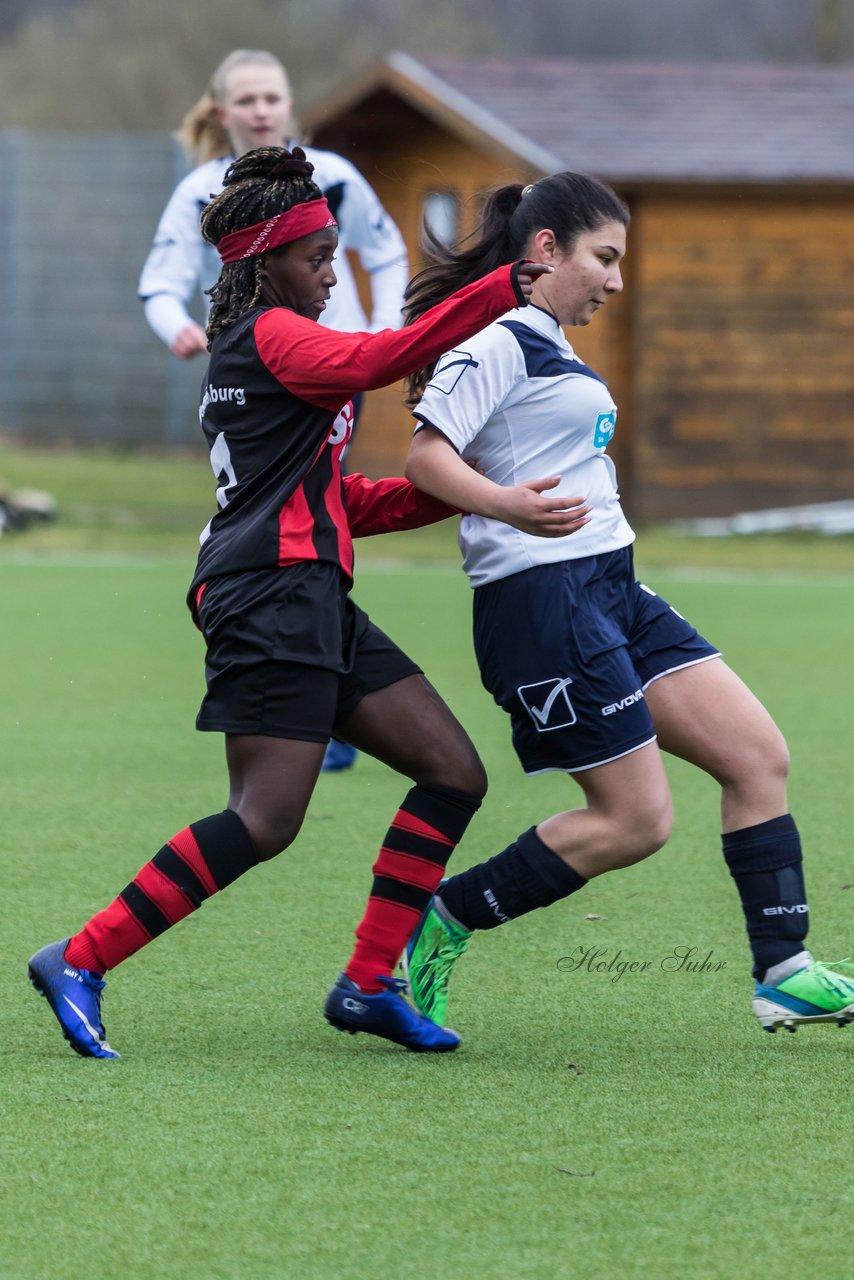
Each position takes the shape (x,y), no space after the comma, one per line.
(289,654)
(568,650)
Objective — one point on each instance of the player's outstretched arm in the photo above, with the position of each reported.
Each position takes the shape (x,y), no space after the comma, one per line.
(435,466)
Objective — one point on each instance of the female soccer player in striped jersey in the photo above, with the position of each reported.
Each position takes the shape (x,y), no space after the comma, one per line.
(290,658)
(248,105)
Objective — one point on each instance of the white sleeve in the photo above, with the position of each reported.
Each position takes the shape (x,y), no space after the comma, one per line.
(470,383)
(167,316)
(387,288)
(172,271)
(368,229)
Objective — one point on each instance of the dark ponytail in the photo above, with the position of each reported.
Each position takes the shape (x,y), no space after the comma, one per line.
(451,267)
(566,203)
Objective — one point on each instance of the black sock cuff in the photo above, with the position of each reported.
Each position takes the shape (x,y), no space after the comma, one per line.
(768,846)
(225,845)
(447,809)
(548,865)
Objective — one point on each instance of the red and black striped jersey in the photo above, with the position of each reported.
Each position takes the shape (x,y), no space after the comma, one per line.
(275,410)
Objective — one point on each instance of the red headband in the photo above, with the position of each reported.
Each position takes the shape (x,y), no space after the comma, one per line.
(294,223)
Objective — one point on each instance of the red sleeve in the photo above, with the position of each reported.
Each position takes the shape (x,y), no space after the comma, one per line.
(326,367)
(389,505)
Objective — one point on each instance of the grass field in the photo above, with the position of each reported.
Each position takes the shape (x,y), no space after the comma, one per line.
(592,1126)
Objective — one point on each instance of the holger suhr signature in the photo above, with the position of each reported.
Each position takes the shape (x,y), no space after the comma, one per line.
(616,964)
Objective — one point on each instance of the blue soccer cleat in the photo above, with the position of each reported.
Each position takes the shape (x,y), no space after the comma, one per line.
(815,992)
(386,1014)
(339,756)
(74,995)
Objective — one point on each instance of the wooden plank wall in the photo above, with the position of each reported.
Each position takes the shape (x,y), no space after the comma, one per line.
(743,377)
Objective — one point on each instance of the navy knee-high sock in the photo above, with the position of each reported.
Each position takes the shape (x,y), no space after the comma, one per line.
(526,875)
(765,862)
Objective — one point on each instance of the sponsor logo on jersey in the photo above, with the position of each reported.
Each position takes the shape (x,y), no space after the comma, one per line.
(548,704)
(221,395)
(342,426)
(603,432)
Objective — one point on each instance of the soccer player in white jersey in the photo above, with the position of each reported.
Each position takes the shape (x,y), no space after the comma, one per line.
(599,675)
(249,105)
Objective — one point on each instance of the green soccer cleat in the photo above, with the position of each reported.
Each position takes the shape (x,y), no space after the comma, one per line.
(429,959)
(816,993)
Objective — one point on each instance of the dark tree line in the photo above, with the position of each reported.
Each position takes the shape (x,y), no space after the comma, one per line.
(96,64)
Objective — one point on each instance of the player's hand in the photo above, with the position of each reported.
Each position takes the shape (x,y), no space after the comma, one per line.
(527,273)
(190,341)
(529,507)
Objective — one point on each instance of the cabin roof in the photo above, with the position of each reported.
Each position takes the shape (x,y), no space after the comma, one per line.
(630,121)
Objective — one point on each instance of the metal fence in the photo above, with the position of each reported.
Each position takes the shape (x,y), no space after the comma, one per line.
(78,363)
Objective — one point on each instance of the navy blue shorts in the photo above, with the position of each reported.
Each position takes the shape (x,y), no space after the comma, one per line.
(568,649)
(289,654)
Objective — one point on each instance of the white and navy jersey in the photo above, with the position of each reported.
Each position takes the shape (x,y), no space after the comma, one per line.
(276,413)
(181,262)
(518,403)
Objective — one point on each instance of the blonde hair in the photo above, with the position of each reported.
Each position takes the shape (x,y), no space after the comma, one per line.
(201,134)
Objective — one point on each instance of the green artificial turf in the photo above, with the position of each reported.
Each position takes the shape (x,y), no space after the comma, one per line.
(598,1122)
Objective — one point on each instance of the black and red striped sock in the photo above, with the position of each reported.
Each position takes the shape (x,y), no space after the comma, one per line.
(199,861)
(423,835)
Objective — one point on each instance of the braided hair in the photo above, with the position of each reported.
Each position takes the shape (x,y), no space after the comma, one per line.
(257,186)
(567,203)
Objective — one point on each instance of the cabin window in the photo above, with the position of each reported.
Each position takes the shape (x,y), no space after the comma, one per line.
(441,212)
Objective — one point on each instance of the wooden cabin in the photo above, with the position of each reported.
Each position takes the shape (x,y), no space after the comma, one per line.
(731,350)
